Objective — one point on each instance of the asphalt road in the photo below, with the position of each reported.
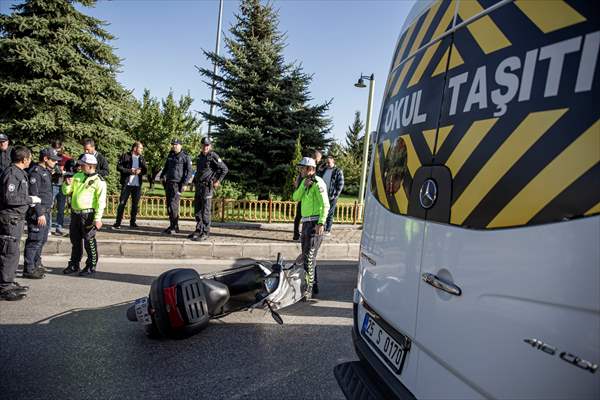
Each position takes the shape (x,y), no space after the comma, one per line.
(70,340)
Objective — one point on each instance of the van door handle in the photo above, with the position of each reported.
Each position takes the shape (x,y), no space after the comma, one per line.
(440,284)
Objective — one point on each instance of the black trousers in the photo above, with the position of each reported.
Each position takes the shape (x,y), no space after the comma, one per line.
(310,246)
(203,208)
(82,233)
(173,192)
(11,229)
(297,219)
(135,192)
(37,236)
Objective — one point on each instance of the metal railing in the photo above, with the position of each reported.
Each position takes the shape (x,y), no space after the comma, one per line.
(154,207)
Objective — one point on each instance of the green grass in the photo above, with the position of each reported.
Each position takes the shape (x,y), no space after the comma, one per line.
(158,190)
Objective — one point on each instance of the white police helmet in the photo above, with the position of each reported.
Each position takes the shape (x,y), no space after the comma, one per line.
(308,162)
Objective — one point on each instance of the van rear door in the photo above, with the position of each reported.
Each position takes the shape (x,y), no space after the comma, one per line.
(509,301)
(392,240)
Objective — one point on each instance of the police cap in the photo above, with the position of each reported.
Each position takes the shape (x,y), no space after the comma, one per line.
(50,153)
(206,141)
(3,137)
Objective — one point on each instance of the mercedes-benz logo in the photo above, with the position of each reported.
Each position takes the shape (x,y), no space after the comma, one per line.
(428,194)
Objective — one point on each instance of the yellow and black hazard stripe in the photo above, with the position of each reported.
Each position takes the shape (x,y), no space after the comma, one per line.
(536,161)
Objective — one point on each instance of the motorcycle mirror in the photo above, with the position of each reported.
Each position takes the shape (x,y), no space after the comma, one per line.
(275,314)
(277,317)
(131,316)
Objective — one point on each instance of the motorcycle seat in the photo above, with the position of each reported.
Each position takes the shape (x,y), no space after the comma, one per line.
(217,294)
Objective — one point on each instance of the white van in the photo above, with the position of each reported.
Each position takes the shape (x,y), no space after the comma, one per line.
(479,272)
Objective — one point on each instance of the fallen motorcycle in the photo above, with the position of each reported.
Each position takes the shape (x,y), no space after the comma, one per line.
(181,302)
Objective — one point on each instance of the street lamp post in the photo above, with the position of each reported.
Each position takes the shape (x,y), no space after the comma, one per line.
(217,46)
(366,141)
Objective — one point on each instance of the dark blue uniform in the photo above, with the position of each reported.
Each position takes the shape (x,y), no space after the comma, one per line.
(14,202)
(5,159)
(176,173)
(40,184)
(209,169)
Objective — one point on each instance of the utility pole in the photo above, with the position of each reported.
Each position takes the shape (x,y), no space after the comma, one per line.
(217,46)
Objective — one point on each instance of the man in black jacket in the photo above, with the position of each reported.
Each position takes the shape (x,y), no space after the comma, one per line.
(14,203)
(334,179)
(39,218)
(89,147)
(210,171)
(132,167)
(175,176)
(5,150)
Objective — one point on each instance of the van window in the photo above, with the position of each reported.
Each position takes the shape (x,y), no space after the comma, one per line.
(412,100)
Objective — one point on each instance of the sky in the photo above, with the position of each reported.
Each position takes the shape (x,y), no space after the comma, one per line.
(160,41)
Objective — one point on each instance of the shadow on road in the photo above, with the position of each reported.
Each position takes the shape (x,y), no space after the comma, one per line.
(97,353)
(109,276)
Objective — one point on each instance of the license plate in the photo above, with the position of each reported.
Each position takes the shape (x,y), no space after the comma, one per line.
(387,347)
(141,311)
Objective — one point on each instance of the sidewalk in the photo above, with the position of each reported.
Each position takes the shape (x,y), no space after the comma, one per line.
(226,241)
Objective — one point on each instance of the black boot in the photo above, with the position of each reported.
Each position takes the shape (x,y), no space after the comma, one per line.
(88,271)
(12,295)
(71,269)
(15,286)
(37,273)
(199,238)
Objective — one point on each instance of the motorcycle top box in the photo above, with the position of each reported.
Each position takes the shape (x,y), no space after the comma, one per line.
(181,302)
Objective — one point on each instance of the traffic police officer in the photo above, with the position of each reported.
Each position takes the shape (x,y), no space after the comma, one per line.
(14,202)
(210,171)
(39,218)
(312,193)
(5,150)
(88,201)
(175,175)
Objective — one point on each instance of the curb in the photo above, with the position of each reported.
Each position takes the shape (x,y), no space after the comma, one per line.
(205,250)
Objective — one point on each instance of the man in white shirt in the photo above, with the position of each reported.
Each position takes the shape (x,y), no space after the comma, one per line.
(132,167)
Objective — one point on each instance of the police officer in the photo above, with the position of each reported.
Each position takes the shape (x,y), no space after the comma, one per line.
(5,150)
(88,201)
(175,175)
(312,193)
(210,171)
(39,218)
(318,156)
(14,202)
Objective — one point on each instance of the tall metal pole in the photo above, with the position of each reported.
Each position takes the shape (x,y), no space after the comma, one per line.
(366,142)
(217,46)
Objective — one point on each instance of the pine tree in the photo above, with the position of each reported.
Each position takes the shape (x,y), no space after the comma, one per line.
(292,172)
(264,102)
(353,137)
(58,79)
